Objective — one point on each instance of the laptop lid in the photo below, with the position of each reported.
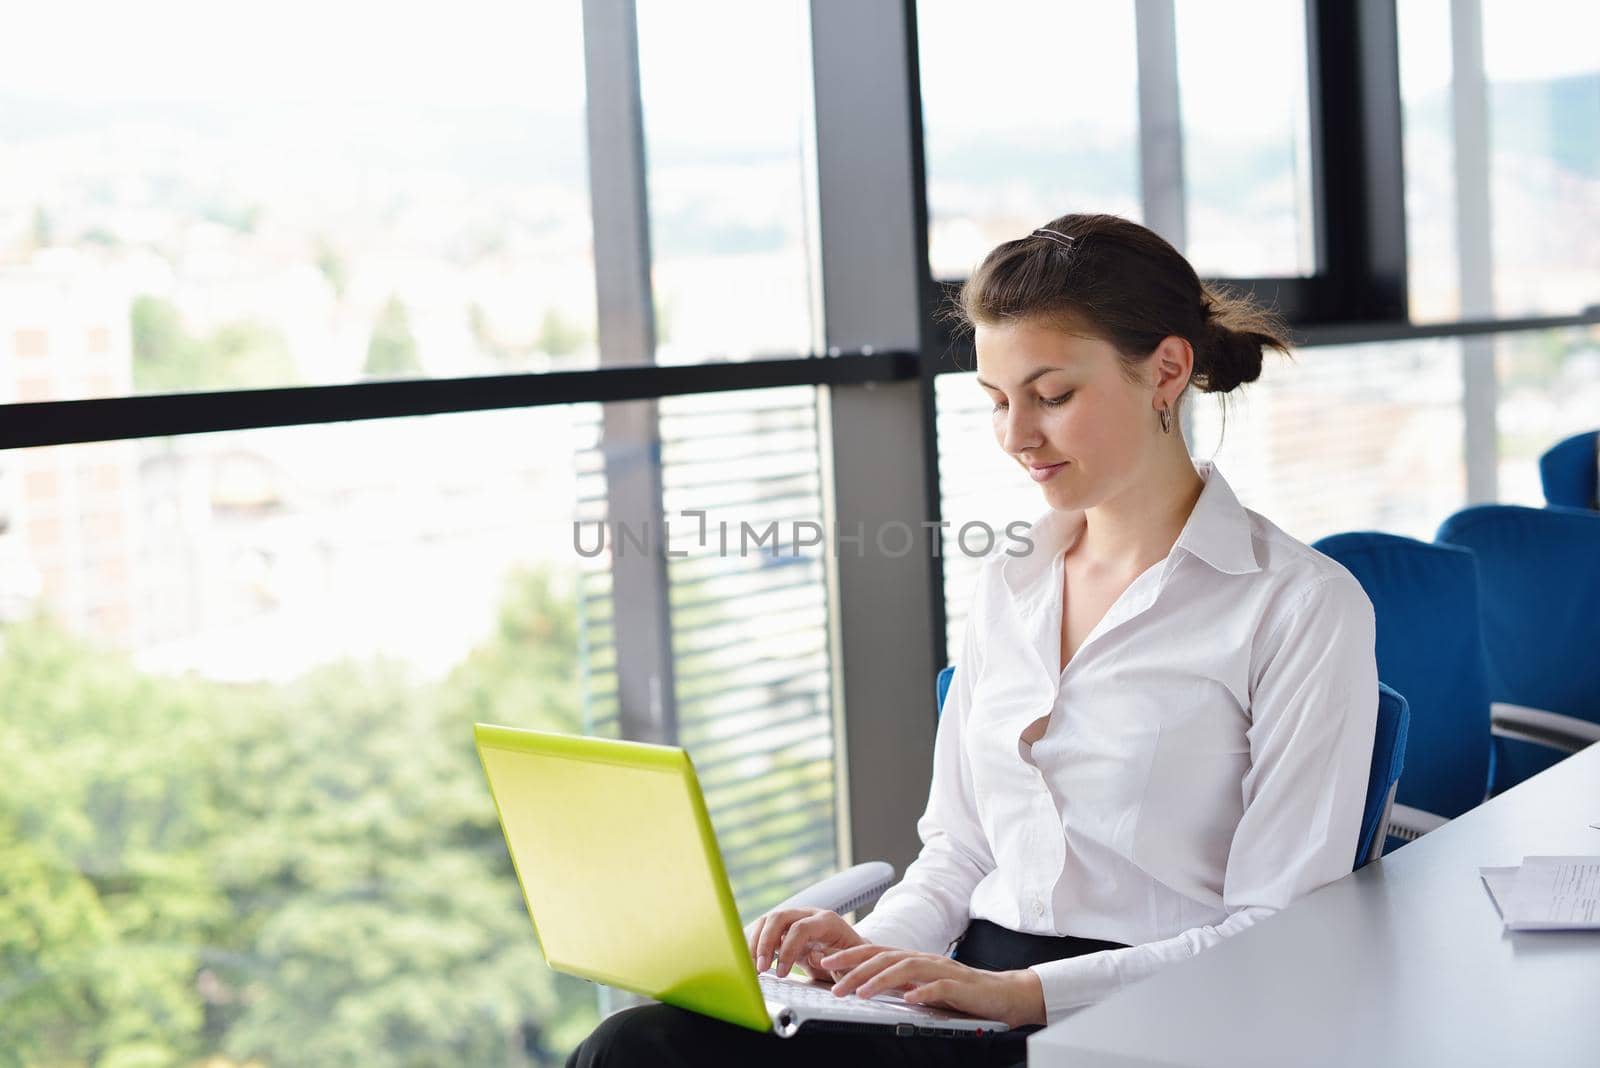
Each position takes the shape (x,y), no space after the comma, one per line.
(620,869)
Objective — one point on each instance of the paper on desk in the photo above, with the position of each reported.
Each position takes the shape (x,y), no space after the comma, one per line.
(1550,894)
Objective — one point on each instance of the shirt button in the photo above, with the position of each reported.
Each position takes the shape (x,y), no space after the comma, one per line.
(1038,907)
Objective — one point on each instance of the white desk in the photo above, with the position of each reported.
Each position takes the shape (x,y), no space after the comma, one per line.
(1402,963)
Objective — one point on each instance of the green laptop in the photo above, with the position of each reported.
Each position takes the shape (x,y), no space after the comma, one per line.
(614,849)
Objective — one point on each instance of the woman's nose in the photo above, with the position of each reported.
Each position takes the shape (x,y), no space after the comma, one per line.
(1018,431)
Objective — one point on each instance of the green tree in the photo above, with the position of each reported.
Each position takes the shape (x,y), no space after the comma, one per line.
(164,356)
(483,331)
(380,917)
(41,230)
(666,317)
(106,904)
(392,352)
(246,355)
(101,237)
(559,337)
(332,266)
(1534,359)
(377,919)
(300,875)
(245,218)
(168,359)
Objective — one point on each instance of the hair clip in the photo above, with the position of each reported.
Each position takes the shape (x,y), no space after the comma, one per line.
(1064,240)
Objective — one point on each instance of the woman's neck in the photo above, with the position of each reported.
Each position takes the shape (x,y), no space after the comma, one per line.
(1139,526)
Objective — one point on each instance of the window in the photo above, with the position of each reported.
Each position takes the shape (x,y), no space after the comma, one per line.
(1433,269)
(1246,138)
(1030,109)
(241,810)
(245,667)
(1549,390)
(1357,437)
(192,211)
(750,632)
(729,150)
(1544,137)
(1540,196)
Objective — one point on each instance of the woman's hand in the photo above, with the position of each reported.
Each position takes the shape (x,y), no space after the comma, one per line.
(786,937)
(1014,998)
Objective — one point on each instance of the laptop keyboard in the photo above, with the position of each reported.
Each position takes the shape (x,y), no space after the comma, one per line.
(820,998)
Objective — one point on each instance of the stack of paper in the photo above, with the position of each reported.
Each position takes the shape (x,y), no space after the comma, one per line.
(1547,893)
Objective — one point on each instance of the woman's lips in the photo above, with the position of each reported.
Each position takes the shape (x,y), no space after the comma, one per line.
(1039,474)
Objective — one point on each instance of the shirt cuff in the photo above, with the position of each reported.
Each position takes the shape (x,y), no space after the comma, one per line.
(1072,983)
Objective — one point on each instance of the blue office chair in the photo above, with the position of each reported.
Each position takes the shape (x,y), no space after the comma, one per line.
(861,885)
(1430,648)
(1539,571)
(941,687)
(1570,472)
(1383,779)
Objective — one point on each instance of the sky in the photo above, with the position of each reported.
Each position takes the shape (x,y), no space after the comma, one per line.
(1522,40)
(483,52)
(465,52)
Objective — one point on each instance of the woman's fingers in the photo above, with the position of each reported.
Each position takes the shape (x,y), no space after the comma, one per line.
(865,970)
(943,993)
(812,963)
(774,926)
(788,937)
(928,979)
(755,934)
(804,935)
(846,959)
(905,974)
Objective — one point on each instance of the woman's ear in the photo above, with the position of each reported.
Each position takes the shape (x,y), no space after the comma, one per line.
(1171,364)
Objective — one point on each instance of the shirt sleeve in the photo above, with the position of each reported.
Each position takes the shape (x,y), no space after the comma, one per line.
(1313,710)
(928,908)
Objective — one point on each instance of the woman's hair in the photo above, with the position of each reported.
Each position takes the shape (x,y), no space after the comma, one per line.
(1122,281)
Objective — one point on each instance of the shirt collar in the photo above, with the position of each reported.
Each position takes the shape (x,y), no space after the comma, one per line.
(1217,532)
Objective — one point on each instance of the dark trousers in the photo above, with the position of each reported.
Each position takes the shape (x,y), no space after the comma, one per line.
(675,1038)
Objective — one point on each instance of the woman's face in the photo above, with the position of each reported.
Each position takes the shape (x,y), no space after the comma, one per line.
(1065,411)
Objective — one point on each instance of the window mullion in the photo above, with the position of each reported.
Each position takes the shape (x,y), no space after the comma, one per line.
(631,437)
(1469,113)
(880,468)
(1161,179)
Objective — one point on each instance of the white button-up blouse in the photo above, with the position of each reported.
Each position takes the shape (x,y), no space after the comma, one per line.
(1205,761)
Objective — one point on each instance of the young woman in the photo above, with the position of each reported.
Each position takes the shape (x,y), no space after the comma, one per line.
(1162,719)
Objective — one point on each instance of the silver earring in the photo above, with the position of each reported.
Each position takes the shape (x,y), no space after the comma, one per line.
(1166,420)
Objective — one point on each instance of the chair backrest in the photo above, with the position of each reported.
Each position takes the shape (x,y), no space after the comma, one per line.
(1388,758)
(1430,648)
(942,684)
(1383,780)
(1570,472)
(1539,570)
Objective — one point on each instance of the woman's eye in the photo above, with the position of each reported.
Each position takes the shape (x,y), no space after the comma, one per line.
(1000,406)
(1054,402)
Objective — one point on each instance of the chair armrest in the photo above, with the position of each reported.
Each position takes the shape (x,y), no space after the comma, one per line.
(1550,729)
(1409,823)
(849,890)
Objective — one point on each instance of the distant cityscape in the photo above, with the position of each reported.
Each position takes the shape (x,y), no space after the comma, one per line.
(146,251)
